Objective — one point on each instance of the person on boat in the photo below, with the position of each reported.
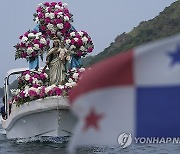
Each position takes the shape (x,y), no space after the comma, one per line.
(3,112)
(56,61)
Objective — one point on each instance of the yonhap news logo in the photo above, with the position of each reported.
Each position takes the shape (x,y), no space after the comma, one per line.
(126,139)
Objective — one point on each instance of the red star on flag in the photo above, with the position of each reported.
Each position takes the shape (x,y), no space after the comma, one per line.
(92,120)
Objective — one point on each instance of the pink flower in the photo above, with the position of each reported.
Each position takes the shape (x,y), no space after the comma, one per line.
(53,4)
(73,42)
(50,92)
(29,46)
(36,76)
(80,42)
(16,98)
(23,45)
(60,3)
(48,32)
(32,93)
(66,11)
(20,37)
(47,20)
(35,86)
(42,76)
(90,49)
(39,9)
(22,94)
(58,21)
(47,4)
(34,54)
(79,53)
(26,34)
(49,9)
(30,80)
(43,28)
(26,72)
(41,46)
(36,41)
(40,16)
(24,55)
(67,25)
(58,91)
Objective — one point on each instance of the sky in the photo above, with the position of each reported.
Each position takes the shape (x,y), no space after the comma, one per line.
(102,19)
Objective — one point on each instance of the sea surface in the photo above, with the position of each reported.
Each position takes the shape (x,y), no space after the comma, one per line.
(49,145)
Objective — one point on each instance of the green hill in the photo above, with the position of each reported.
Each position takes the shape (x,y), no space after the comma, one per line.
(165,24)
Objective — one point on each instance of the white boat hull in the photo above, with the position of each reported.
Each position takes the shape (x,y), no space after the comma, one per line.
(47,117)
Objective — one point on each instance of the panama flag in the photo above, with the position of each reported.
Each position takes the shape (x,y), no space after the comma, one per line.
(137,91)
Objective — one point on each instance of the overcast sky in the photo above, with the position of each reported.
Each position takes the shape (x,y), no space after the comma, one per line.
(102,19)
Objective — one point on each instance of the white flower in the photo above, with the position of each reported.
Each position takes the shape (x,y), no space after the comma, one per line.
(24,39)
(40,5)
(80,33)
(75,75)
(47,9)
(27,77)
(70,80)
(68,84)
(82,48)
(31,35)
(35,81)
(57,7)
(51,15)
(39,34)
(29,50)
(60,14)
(65,5)
(68,41)
(85,39)
(26,87)
(72,34)
(36,47)
(15,91)
(66,18)
(61,86)
(73,84)
(37,20)
(76,39)
(82,69)
(60,26)
(43,41)
(72,47)
(50,26)
(47,15)
(73,69)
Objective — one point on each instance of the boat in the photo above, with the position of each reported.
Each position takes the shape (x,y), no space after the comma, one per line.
(50,116)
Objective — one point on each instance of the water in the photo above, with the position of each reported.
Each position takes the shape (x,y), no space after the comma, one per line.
(48,145)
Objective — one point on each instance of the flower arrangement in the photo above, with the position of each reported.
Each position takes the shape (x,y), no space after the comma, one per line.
(72,76)
(33,79)
(34,85)
(79,43)
(53,18)
(32,44)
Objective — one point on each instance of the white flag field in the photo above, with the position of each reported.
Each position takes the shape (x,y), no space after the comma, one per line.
(137,91)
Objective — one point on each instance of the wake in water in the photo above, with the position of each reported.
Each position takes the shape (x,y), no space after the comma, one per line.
(57,140)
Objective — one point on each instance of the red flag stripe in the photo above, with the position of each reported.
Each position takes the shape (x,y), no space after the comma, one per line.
(115,71)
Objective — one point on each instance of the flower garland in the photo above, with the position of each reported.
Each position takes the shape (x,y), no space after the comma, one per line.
(79,43)
(32,44)
(34,85)
(53,18)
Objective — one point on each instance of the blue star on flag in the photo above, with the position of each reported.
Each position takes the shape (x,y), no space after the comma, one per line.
(175,56)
